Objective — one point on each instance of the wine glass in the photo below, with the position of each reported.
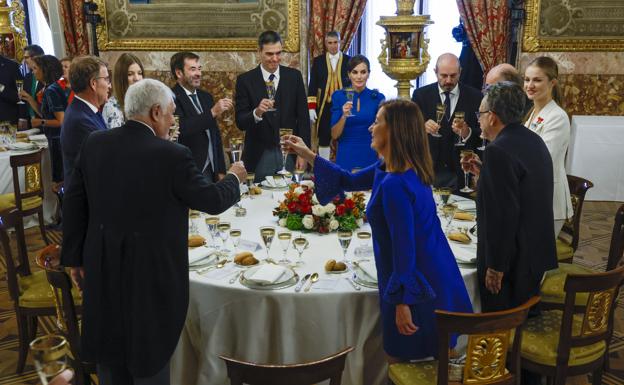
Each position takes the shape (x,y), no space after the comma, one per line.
(211,223)
(350,93)
(236,149)
(437,198)
(250,182)
(466,154)
(227,115)
(445,194)
(448,212)
(282,133)
(458,118)
(344,238)
(19,84)
(299,175)
(270,88)
(440,111)
(193,218)
(267,233)
(300,243)
(224,234)
(49,354)
(235,236)
(483,140)
(284,237)
(364,237)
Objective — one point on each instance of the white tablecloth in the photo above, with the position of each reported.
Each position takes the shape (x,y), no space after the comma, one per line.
(596,153)
(6,183)
(282,326)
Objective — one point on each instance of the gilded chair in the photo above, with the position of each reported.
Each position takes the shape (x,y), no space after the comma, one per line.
(558,344)
(492,354)
(30,292)
(242,372)
(28,201)
(568,239)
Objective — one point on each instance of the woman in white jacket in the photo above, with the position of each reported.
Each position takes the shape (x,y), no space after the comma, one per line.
(551,123)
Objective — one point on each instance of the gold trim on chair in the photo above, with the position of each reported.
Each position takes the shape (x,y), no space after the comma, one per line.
(596,319)
(486,356)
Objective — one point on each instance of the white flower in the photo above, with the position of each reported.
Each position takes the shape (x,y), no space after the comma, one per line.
(298,191)
(282,222)
(308,221)
(307,183)
(333,224)
(330,208)
(360,222)
(314,200)
(318,210)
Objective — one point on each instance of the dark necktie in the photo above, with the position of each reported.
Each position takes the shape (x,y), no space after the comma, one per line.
(101,120)
(196,103)
(271,77)
(447,104)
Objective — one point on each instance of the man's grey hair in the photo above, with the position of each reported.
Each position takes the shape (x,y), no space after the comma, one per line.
(335,34)
(145,94)
(507,100)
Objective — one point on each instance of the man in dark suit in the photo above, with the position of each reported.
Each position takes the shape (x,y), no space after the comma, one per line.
(506,71)
(261,153)
(328,74)
(514,203)
(125,237)
(90,82)
(455,135)
(9,73)
(31,85)
(197,111)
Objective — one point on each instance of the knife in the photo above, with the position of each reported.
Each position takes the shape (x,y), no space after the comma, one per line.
(300,285)
(355,286)
(233,279)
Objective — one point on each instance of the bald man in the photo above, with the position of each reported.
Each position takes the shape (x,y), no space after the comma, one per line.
(507,72)
(447,138)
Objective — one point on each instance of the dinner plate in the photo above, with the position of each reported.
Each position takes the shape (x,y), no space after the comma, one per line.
(288,275)
(267,186)
(253,285)
(357,277)
(21,146)
(338,272)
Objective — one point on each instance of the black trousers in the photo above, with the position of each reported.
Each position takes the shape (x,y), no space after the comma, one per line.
(119,375)
(324,126)
(56,155)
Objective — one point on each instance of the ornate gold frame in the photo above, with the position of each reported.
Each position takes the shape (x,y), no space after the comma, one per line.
(291,42)
(533,42)
(12,21)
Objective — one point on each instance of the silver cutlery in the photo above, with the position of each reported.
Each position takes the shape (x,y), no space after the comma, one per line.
(313,279)
(302,282)
(217,265)
(235,278)
(355,286)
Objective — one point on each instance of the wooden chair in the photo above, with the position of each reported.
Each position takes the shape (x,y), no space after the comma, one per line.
(308,373)
(570,230)
(565,343)
(30,292)
(487,361)
(30,200)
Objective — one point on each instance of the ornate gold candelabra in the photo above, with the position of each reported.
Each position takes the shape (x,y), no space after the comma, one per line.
(12,33)
(404,54)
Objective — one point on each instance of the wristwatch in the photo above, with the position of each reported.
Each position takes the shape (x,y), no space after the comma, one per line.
(42,122)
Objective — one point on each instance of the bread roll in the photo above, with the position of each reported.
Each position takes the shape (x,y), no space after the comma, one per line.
(238,259)
(196,240)
(464,216)
(329,265)
(249,260)
(459,237)
(340,266)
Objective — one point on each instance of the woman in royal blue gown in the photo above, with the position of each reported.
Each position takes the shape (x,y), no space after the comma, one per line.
(350,120)
(416,269)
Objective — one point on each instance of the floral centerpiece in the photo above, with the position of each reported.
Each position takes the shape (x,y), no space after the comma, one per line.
(300,210)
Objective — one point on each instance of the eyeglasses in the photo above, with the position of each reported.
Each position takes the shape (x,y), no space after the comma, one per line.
(106,78)
(479,113)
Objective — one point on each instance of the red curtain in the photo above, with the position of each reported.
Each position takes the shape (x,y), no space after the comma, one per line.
(342,16)
(75,28)
(487,27)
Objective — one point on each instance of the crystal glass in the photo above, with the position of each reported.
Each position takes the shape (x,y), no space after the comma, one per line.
(19,84)
(458,118)
(227,115)
(282,133)
(194,217)
(236,148)
(270,88)
(300,243)
(350,95)
(267,233)
(224,233)
(250,182)
(344,238)
(235,236)
(445,194)
(211,223)
(448,212)
(466,154)
(483,140)
(440,111)
(285,238)
(436,197)
(49,355)
(363,249)
(299,175)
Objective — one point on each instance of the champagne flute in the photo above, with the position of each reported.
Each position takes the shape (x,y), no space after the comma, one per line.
(282,133)
(300,243)
(448,212)
(193,217)
(466,154)
(483,140)
(284,237)
(224,234)
(227,115)
(440,111)
(458,118)
(350,95)
(344,238)
(267,233)
(211,223)
(250,182)
(49,354)
(19,84)
(235,236)
(364,237)
(270,88)
(445,194)
(236,148)
(437,198)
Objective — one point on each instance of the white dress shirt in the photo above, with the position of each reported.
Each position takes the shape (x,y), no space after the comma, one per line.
(454,95)
(333,60)
(265,76)
(210,157)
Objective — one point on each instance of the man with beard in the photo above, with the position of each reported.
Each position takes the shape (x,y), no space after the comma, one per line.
(198,111)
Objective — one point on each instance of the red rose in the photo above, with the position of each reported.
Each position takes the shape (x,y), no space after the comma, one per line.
(306,208)
(336,200)
(349,204)
(323,230)
(292,207)
(340,210)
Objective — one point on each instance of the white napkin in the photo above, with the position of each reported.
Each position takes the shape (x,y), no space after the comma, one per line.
(270,180)
(30,131)
(369,268)
(276,182)
(248,245)
(38,138)
(466,205)
(268,274)
(198,254)
(21,146)
(464,254)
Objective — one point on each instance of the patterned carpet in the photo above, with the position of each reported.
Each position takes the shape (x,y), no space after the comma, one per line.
(596,226)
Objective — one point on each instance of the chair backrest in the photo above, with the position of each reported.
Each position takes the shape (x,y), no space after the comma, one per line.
(489,336)
(616,249)
(19,266)
(32,176)
(242,372)
(578,189)
(597,324)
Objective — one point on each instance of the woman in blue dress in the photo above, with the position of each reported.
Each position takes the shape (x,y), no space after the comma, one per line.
(416,269)
(350,120)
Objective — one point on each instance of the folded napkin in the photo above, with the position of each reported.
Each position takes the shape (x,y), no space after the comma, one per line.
(38,138)
(268,274)
(464,255)
(466,205)
(30,131)
(248,245)
(199,253)
(21,146)
(275,182)
(369,268)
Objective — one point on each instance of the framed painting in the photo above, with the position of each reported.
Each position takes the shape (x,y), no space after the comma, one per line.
(202,25)
(574,25)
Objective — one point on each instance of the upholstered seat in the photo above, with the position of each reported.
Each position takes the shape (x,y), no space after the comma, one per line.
(565,252)
(7,201)
(552,286)
(540,340)
(35,292)
(422,373)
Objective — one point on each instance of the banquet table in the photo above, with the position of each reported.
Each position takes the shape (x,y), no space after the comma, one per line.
(284,326)
(595,153)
